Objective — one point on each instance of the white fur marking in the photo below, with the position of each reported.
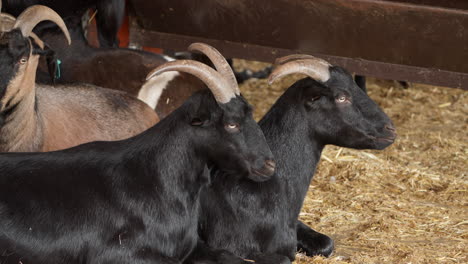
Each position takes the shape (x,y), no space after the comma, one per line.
(151,91)
(168,58)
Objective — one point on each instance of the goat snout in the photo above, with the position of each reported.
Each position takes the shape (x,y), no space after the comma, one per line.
(264,173)
(270,167)
(391,128)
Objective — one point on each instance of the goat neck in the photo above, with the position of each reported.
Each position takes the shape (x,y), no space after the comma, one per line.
(175,140)
(178,182)
(288,136)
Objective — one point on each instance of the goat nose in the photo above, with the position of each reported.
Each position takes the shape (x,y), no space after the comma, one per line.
(390,127)
(270,166)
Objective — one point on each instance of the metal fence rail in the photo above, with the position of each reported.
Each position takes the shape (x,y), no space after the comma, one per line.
(423,41)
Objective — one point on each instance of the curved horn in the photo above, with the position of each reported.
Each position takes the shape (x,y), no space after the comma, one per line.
(292,57)
(220,63)
(7,22)
(37,40)
(36,14)
(215,82)
(314,68)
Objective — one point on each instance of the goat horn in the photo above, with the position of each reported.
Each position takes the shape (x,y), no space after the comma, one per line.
(292,57)
(314,68)
(36,14)
(7,23)
(215,82)
(37,40)
(220,63)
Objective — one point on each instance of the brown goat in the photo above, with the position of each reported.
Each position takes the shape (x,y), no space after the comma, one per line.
(116,68)
(123,69)
(43,118)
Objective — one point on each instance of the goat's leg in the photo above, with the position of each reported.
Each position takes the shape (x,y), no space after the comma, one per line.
(109,18)
(265,258)
(129,256)
(313,243)
(161,260)
(203,254)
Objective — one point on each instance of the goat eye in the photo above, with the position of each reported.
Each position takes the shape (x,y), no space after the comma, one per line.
(341,99)
(23,61)
(232,127)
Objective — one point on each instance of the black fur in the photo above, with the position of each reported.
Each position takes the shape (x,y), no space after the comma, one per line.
(109,14)
(313,243)
(259,220)
(131,201)
(13,47)
(361,82)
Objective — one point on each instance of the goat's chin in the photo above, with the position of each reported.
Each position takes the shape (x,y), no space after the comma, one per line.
(371,142)
(382,143)
(258,176)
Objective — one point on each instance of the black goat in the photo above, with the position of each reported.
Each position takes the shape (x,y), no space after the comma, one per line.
(136,200)
(109,14)
(259,221)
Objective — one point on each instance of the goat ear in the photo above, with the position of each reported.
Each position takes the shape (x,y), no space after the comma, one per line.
(52,67)
(196,121)
(200,116)
(311,100)
(51,59)
(312,93)
(361,82)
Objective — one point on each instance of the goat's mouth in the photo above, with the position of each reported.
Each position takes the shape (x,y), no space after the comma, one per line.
(260,174)
(264,173)
(382,142)
(386,139)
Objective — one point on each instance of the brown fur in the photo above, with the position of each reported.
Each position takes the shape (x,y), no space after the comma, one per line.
(52,118)
(119,69)
(75,115)
(176,92)
(21,131)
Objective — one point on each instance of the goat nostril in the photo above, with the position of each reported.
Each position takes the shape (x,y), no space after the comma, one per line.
(390,127)
(271,165)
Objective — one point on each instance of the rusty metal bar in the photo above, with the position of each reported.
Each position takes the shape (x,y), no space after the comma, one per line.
(414,40)
(267,54)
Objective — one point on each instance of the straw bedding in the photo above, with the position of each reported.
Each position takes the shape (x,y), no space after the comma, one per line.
(406,204)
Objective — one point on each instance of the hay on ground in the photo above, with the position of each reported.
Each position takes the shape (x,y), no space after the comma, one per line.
(406,204)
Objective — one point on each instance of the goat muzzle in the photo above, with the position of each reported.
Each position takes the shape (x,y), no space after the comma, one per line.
(270,167)
(390,128)
(264,173)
